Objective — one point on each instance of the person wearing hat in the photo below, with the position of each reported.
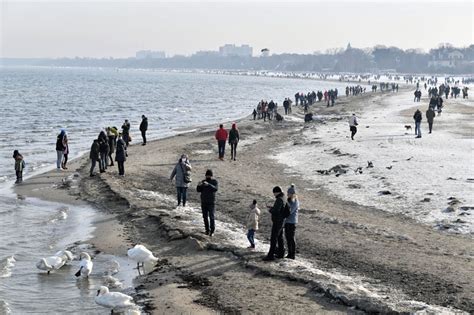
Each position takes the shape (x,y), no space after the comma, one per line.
(277,246)
(143,128)
(291,221)
(182,173)
(208,188)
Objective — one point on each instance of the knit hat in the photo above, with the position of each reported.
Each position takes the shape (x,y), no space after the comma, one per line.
(209,173)
(291,190)
(277,189)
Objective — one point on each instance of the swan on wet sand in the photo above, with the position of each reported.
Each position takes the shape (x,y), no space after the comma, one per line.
(141,254)
(66,255)
(50,263)
(113,300)
(85,266)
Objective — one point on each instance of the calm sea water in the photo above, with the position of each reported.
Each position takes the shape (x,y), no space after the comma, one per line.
(36,103)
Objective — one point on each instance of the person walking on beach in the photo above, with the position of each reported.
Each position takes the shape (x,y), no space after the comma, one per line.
(19,166)
(353,125)
(112,134)
(143,128)
(291,221)
(65,152)
(121,155)
(254,114)
(234,138)
(208,188)
(94,155)
(182,173)
(252,223)
(430,115)
(417,117)
(126,132)
(221,137)
(277,246)
(60,149)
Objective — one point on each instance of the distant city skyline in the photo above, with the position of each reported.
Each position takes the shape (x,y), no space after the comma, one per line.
(119,29)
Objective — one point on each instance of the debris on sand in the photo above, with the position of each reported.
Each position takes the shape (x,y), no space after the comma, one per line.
(426,200)
(384,192)
(354,186)
(449,209)
(338,170)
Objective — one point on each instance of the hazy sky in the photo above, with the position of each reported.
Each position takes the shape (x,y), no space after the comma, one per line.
(120,28)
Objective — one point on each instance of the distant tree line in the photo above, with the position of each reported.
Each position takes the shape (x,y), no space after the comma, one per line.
(444,59)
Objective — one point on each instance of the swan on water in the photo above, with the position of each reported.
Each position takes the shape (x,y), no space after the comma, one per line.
(50,263)
(141,254)
(66,255)
(113,300)
(85,265)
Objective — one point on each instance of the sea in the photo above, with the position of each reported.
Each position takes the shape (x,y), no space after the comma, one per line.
(37,102)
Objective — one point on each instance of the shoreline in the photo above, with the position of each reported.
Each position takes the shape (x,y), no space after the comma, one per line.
(137,211)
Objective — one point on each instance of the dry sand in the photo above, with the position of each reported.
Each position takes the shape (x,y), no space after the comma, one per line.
(365,259)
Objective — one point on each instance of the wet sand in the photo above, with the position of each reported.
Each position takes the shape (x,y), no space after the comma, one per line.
(349,258)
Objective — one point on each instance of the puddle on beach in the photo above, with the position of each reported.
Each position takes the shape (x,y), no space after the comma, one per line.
(33,229)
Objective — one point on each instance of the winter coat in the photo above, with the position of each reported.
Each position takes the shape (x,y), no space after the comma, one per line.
(19,163)
(221,134)
(59,142)
(430,114)
(179,170)
(294,207)
(144,124)
(277,209)
(126,129)
(353,121)
(208,192)
(252,218)
(417,116)
(94,154)
(65,145)
(104,146)
(121,151)
(111,140)
(234,136)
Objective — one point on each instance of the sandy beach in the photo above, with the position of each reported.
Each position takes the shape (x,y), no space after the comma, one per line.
(353,254)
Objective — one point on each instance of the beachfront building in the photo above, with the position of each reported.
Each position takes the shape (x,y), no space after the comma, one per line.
(446,59)
(149,54)
(233,50)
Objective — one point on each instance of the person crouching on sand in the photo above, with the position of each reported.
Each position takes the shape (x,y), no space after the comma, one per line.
(121,155)
(291,221)
(208,189)
(252,223)
(221,137)
(19,166)
(182,173)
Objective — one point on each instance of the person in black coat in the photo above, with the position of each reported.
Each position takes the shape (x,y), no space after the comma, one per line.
(417,117)
(94,155)
(144,128)
(208,188)
(121,155)
(277,245)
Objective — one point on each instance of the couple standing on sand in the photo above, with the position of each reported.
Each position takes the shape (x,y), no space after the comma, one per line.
(222,136)
(207,187)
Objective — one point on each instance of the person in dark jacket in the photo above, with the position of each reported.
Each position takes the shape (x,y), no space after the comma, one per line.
(430,114)
(104,151)
(234,138)
(221,137)
(60,148)
(121,155)
(94,155)
(126,132)
(181,169)
(143,128)
(112,135)
(208,188)
(19,166)
(277,246)
(417,117)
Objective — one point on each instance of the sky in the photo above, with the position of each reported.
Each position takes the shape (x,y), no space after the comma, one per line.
(47,29)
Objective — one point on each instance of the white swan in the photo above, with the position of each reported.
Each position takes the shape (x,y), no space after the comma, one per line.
(113,300)
(50,263)
(85,266)
(141,254)
(66,255)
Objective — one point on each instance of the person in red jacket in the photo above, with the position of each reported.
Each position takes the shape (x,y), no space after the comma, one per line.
(221,137)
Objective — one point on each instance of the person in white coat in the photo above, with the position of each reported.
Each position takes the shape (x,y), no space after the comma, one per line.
(252,223)
(353,125)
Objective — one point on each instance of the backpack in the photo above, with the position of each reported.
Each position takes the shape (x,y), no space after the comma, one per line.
(285,212)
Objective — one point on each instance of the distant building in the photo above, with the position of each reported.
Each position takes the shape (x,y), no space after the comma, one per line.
(265,52)
(232,50)
(207,53)
(444,58)
(149,54)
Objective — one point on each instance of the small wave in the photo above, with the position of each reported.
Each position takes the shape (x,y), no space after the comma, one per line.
(61,215)
(4,308)
(5,266)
